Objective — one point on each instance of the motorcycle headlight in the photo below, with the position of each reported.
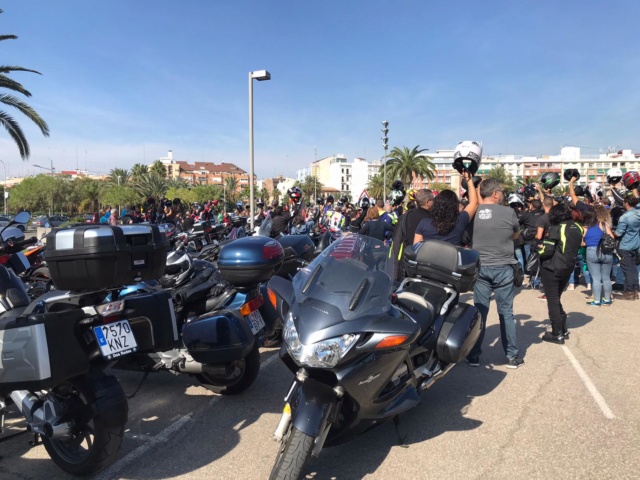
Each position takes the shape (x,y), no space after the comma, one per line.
(324,354)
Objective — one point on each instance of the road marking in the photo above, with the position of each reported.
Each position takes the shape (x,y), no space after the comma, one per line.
(161,437)
(589,384)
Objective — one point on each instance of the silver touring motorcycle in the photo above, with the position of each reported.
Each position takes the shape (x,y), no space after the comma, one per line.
(361,347)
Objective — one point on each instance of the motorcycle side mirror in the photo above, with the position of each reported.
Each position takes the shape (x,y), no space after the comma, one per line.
(22,217)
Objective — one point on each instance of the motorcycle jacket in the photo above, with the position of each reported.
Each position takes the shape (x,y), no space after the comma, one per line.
(559,249)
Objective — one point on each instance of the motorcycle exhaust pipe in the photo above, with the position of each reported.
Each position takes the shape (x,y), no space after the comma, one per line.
(189,365)
(40,415)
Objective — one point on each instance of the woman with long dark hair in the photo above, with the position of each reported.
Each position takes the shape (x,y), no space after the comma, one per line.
(558,253)
(599,263)
(445,221)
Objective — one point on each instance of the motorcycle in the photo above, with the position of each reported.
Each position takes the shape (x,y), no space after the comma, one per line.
(218,311)
(53,366)
(362,350)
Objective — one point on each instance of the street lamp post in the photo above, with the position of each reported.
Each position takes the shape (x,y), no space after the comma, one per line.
(259,75)
(4,188)
(385,144)
(52,170)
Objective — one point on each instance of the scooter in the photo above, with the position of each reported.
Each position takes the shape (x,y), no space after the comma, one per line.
(362,350)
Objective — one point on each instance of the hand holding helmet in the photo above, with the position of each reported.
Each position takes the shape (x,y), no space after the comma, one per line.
(467,156)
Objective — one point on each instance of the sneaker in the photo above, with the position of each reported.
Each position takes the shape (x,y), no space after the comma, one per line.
(543,298)
(604,302)
(514,362)
(593,304)
(473,362)
(571,287)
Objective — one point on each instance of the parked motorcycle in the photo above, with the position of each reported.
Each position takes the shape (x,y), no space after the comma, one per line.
(218,312)
(361,350)
(54,352)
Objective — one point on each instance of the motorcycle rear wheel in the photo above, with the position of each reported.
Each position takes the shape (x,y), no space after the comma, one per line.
(95,442)
(293,457)
(245,373)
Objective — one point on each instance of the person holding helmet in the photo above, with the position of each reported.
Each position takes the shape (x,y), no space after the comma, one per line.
(628,231)
(580,205)
(467,157)
(495,226)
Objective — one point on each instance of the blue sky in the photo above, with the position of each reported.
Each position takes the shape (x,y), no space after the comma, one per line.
(124,81)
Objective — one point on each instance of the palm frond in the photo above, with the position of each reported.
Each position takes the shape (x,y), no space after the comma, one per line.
(16,134)
(16,68)
(25,109)
(11,84)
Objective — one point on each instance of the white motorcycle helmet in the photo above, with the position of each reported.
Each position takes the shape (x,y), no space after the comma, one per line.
(515,200)
(467,156)
(614,175)
(177,270)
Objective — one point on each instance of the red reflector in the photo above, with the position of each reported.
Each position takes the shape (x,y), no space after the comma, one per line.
(4,259)
(272,250)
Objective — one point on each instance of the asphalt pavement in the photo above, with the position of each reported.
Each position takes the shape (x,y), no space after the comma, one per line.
(570,412)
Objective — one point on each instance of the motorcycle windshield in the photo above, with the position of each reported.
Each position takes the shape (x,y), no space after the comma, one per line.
(352,275)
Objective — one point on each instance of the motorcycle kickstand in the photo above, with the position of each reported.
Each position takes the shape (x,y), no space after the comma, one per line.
(36,440)
(144,377)
(401,439)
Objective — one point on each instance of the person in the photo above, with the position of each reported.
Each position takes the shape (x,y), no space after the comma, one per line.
(389,216)
(107,214)
(280,220)
(495,226)
(629,233)
(580,205)
(113,218)
(445,221)
(405,230)
(599,263)
(374,226)
(581,260)
(563,239)
(335,219)
(529,225)
(542,228)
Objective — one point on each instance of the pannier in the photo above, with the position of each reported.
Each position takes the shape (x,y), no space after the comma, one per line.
(459,333)
(443,262)
(249,261)
(93,257)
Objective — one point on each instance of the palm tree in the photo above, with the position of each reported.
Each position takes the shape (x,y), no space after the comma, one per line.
(375,186)
(309,186)
(118,176)
(89,194)
(499,173)
(264,194)
(151,185)
(138,170)
(523,182)
(231,184)
(157,167)
(6,120)
(177,183)
(404,164)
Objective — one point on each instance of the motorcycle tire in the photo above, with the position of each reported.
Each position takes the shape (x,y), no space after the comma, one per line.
(95,442)
(243,377)
(295,452)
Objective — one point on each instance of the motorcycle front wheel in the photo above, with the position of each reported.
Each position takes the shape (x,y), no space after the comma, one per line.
(94,405)
(244,373)
(293,456)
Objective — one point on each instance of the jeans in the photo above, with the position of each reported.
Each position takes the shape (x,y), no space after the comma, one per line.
(575,276)
(302,228)
(628,264)
(553,286)
(600,267)
(498,279)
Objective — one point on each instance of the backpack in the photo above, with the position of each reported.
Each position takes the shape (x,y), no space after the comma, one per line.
(607,244)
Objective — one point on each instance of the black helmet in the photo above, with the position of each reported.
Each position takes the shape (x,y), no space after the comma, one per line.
(549,180)
(476,181)
(365,202)
(396,197)
(570,173)
(529,191)
(330,198)
(176,201)
(344,199)
(320,201)
(260,202)
(579,190)
(397,185)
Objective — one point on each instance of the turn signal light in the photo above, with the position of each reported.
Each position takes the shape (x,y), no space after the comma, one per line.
(251,305)
(391,341)
(272,297)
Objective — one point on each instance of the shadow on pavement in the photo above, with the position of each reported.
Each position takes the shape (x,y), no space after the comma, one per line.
(443,409)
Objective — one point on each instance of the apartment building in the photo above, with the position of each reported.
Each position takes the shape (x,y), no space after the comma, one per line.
(205,173)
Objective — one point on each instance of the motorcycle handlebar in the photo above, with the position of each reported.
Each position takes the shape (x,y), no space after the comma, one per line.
(17,245)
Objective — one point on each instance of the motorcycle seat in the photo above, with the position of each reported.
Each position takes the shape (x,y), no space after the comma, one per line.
(419,309)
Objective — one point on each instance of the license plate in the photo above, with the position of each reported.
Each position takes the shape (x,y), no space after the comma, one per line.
(115,339)
(256,323)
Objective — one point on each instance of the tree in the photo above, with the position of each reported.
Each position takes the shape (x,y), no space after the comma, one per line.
(177,183)
(151,185)
(231,184)
(33,194)
(6,120)
(89,191)
(404,164)
(263,193)
(118,176)
(309,186)
(523,182)
(138,170)
(439,186)
(375,186)
(499,173)
(157,167)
